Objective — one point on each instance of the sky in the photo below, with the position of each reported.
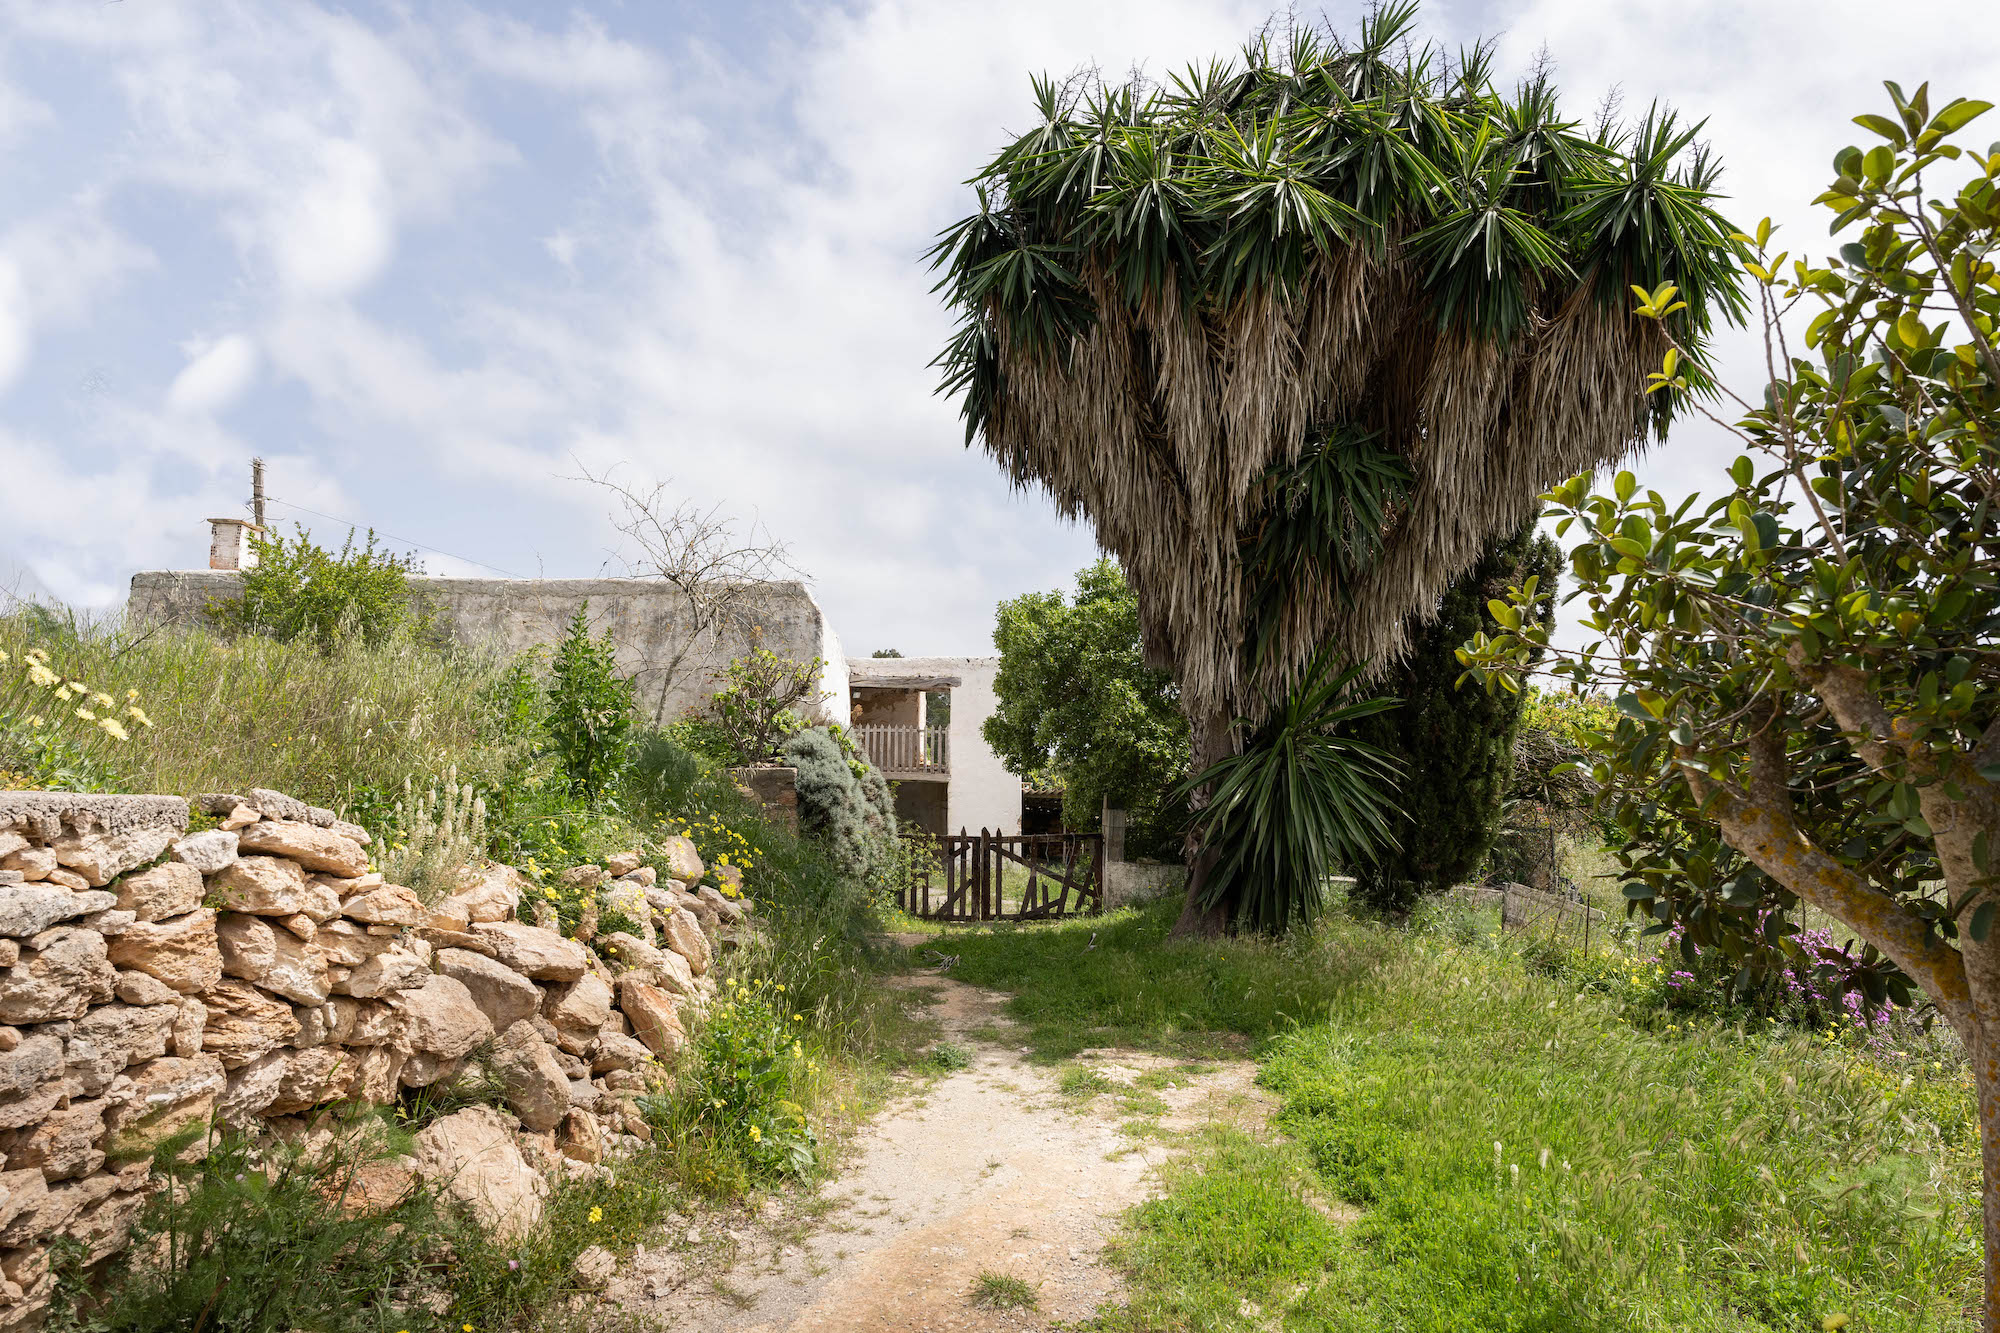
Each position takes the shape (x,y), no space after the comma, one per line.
(433,260)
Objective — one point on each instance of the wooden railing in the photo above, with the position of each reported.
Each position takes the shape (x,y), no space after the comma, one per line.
(896,749)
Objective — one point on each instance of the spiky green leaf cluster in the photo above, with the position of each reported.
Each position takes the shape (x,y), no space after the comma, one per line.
(1235,177)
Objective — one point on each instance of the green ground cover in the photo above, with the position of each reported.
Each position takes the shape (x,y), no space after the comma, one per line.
(1466,1142)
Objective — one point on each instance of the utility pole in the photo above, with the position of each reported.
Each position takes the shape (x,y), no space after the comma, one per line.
(257,492)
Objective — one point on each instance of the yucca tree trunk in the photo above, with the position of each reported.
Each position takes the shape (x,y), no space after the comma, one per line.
(1212,742)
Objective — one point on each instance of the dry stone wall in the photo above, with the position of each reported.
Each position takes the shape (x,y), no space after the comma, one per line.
(152,978)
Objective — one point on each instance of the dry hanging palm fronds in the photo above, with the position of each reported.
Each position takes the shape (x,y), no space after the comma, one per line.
(1170,295)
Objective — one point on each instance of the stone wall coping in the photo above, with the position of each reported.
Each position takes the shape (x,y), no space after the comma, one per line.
(47,811)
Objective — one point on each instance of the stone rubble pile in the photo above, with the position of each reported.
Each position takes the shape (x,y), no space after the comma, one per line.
(254,971)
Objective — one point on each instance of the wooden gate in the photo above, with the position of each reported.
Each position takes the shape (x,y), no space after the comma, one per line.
(1006,877)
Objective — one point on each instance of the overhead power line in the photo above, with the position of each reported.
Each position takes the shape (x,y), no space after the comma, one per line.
(405,541)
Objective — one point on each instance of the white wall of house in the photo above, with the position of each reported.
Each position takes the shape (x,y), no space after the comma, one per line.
(981,793)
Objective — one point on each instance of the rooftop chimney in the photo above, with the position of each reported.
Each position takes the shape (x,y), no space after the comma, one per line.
(229,543)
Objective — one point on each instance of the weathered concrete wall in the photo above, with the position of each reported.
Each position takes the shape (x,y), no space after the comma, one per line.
(982,793)
(645,618)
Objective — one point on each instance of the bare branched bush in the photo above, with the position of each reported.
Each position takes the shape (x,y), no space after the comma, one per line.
(713,560)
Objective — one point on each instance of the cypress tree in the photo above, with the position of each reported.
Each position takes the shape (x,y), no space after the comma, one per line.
(1455,746)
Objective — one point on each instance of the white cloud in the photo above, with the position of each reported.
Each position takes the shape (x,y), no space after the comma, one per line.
(216,377)
(727,292)
(14,336)
(336,235)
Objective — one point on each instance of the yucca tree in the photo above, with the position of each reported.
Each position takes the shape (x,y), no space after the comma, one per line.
(1300,333)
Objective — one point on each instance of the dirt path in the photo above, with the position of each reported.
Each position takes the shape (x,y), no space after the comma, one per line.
(989,1169)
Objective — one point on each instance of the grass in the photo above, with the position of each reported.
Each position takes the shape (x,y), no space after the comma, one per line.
(1515,1154)
(1002,1291)
(345,727)
(947,1057)
(1082,1084)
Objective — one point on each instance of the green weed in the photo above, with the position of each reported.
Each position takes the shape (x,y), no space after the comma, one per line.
(1002,1291)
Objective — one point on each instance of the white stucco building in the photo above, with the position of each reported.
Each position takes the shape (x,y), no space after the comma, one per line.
(947,778)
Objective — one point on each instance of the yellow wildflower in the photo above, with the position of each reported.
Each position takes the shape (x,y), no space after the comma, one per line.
(86,715)
(41,676)
(104,701)
(138,714)
(112,729)
(596,1214)
(756,1134)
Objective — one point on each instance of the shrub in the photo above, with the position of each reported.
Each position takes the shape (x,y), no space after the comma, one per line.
(753,712)
(738,1112)
(299,589)
(854,817)
(436,831)
(589,709)
(251,1237)
(1301,796)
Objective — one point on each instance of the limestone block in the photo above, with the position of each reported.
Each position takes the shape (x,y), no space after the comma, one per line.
(37,1059)
(536,1088)
(140,988)
(401,968)
(312,847)
(389,905)
(684,935)
(61,972)
(622,863)
(207,852)
(472,1157)
(166,1096)
(654,1016)
(103,857)
(253,1087)
(682,861)
(723,907)
(348,943)
(582,1005)
(363,1022)
(502,994)
(313,1076)
(578,1137)
(494,896)
(617,1051)
(583,877)
(31,863)
(56,1209)
(30,909)
(166,890)
(277,960)
(190,1025)
(439,1018)
(112,1036)
(20,1191)
(69,879)
(181,951)
(261,885)
(534,952)
(245,1022)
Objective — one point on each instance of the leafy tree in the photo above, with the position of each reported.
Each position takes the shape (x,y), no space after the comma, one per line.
(1354,257)
(1078,705)
(1455,747)
(885,652)
(299,589)
(1807,666)
(589,709)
